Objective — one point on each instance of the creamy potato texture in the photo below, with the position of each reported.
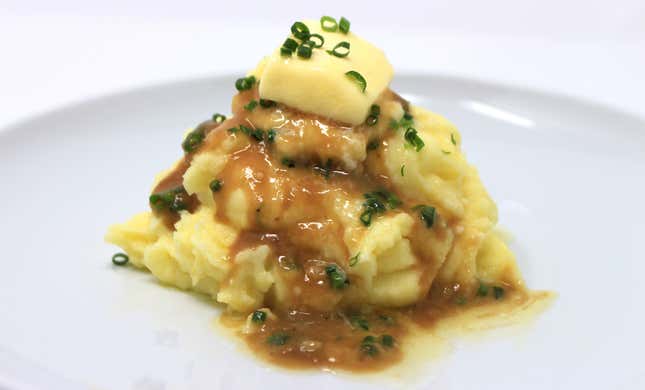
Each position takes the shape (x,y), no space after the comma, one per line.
(319,198)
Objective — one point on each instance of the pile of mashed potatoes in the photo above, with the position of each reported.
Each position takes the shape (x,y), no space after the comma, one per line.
(318,194)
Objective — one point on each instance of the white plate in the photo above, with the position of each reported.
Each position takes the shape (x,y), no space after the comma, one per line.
(568,177)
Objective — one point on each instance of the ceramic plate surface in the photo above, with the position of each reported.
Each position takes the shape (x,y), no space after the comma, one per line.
(568,177)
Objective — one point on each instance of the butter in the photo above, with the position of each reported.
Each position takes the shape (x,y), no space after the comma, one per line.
(319,85)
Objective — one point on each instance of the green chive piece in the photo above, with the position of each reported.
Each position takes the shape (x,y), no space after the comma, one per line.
(340,50)
(337,277)
(288,162)
(265,103)
(498,292)
(329,24)
(354,259)
(368,347)
(319,38)
(120,259)
(373,144)
(403,170)
(374,204)
(290,44)
(173,199)
(304,51)
(219,118)
(215,185)
(445,151)
(233,130)
(360,322)
(366,217)
(193,140)
(358,78)
(452,139)
(271,135)
(372,118)
(387,341)
(412,137)
(482,291)
(251,105)
(278,338)
(343,26)
(284,52)
(245,83)
(427,214)
(259,316)
(300,31)
(375,109)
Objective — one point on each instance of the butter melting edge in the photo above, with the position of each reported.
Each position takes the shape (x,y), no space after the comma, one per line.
(319,85)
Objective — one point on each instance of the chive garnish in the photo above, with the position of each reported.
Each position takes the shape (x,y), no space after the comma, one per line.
(337,277)
(215,185)
(193,140)
(482,291)
(413,139)
(452,139)
(265,103)
(300,31)
(278,338)
(173,199)
(340,50)
(374,204)
(319,38)
(120,259)
(219,118)
(250,106)
(387,341)
(245,83)
(360,322)
(373,144)
(372,118)
(259,316)
(257,134)
(358,78)
(498,292)
(368,347)
(271,135)
(288,162)
(290,44)
(284,52)
(304,50)
(329,24)
(354,259)
(343,26)
(445,151)
(427,214)
(403,170)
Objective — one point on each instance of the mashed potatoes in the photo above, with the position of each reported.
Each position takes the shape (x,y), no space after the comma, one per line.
(324,199)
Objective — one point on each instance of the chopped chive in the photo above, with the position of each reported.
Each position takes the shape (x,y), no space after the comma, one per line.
(372,118)
(120,259)
(360,322)
(251,105)
(498,292)
(375,109)
(413,139)
(288,162)
(452,139)
(290,44)
(215,185)
(358,78)
(329,24)
(387,341)
(300,31)
(373,144)
(340,50)
(337,277)
(271,135)
(173,199)
(233,130)
(427,215)
(219,118)
(245,83)
(403,170)
(193,140)
(278,338)
(265,103)
(343,26)
(319,38)
(368,347)
(366,217)
(304,51)
(482,291)
(354,259)
(284,52)
(259,316)
(445,151)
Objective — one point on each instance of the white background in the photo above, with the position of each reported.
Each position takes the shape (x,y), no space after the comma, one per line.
(56,52)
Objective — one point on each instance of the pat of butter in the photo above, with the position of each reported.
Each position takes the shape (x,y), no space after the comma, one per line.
(319,85)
